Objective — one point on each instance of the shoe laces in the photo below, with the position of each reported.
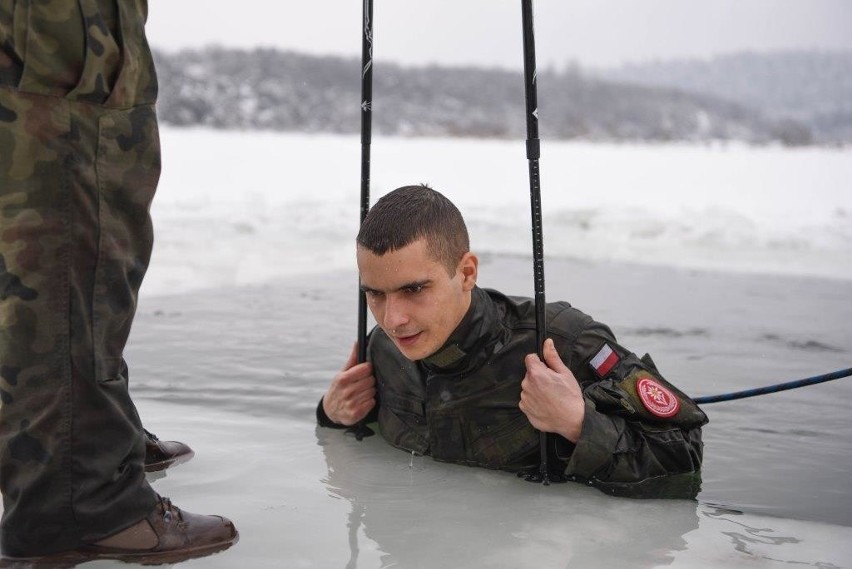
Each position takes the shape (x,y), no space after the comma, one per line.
(150,435)
(170,511)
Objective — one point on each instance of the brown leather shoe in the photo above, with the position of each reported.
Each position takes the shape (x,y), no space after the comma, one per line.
(160,455)
(167,535)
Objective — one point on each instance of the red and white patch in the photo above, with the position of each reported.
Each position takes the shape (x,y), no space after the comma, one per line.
(604,360)
(657,399)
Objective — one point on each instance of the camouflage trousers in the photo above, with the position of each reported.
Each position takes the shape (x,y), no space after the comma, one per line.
(79,164)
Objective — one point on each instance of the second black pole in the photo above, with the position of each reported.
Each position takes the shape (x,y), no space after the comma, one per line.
(533,152)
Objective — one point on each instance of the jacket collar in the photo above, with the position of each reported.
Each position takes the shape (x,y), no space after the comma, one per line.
(471,344)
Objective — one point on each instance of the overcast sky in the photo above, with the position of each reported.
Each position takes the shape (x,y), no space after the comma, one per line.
(591,32)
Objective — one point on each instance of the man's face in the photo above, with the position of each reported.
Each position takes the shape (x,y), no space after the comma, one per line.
(413,298)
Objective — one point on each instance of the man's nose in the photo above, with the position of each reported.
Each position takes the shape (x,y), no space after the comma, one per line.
(396,314)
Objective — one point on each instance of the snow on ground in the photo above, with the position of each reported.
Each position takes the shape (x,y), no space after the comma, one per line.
(245,207)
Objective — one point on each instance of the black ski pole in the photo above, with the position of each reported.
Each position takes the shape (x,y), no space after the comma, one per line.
(361,430)
(533,152)
(366,137)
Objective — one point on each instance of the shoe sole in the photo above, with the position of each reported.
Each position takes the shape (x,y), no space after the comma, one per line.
(70,559)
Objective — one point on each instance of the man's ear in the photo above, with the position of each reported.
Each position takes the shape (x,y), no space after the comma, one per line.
(468,267)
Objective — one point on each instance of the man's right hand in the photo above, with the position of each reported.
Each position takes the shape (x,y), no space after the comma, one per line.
(352,392)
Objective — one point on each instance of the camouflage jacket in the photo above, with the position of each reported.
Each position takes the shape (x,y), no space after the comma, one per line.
(641,436)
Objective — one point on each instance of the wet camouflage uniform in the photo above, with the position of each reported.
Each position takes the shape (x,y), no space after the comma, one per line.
(79,163)
(461,404)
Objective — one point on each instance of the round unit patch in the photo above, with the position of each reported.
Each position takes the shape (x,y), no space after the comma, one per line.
(656,398)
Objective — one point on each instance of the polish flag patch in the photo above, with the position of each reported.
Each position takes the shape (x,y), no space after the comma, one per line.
(657,399)
(604,360)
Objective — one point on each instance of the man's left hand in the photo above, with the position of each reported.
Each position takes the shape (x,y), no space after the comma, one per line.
(550,395)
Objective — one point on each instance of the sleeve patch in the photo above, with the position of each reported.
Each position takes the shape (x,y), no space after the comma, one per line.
(656,398)
(603,362)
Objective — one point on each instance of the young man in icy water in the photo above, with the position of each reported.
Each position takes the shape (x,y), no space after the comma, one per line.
(452,369)
(79,162)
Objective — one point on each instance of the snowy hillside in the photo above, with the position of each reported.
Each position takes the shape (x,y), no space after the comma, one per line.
(814,88)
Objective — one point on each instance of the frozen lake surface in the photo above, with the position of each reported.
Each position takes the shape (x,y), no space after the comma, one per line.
(267,220)
(249,309)
(237,372)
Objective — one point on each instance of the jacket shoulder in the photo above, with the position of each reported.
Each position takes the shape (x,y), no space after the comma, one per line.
(518,312)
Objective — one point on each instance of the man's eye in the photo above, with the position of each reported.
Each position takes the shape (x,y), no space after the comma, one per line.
(373,294)
(414,289)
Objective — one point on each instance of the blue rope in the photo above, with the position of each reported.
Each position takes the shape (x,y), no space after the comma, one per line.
(775,388)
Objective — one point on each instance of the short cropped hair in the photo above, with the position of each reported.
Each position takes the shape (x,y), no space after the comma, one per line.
(410,213)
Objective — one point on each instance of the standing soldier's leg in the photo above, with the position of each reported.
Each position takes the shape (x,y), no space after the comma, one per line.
(79,162)
(71,441)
